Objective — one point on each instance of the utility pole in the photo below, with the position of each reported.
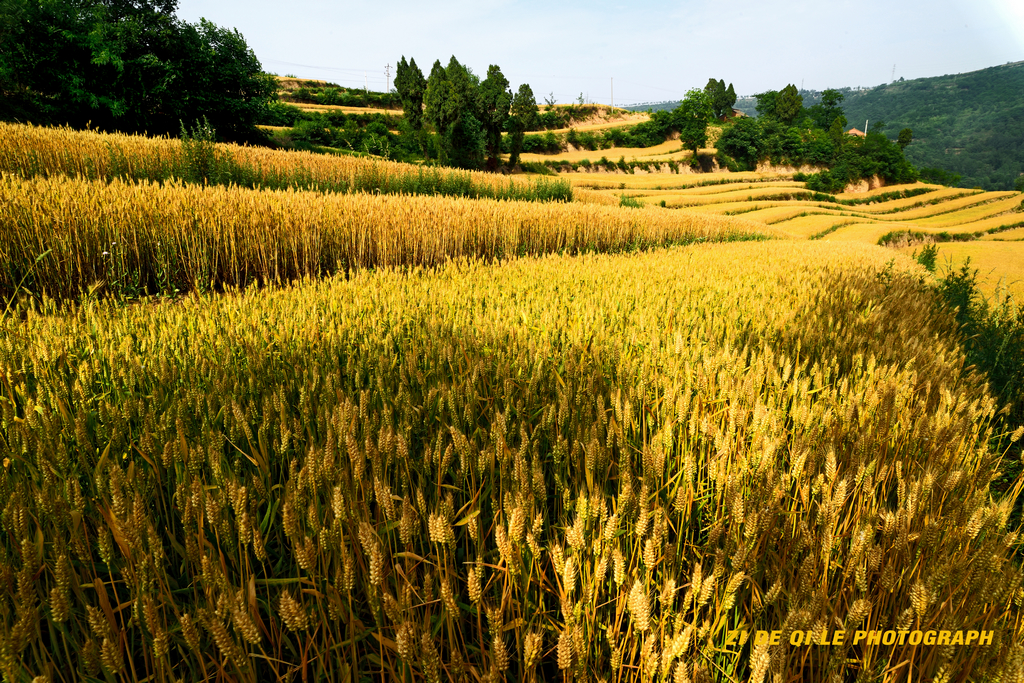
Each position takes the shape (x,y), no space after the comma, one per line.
(893,78)
(387,78)
(366,84)
(613,93)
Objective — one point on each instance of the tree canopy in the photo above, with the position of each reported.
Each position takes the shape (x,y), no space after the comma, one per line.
(127,65)
(722,99)
(692,117)
(452,108)
(495,104)
(522,117)
(411,86)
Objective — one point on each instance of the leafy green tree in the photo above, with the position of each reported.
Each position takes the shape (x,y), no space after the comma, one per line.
(722,98)
(523,118)
(127,65)
(767,103)
(692,117)
(905,138)
(411,86)
(837,131)
(466,143)
(1018,184)
(743,140)
(789,104)
(495,101)
(828,109)
(452,108)
(221,81)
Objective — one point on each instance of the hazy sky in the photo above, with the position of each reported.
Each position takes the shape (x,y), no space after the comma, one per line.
(653,50)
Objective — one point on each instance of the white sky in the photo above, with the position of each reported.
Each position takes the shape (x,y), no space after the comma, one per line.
(654,50)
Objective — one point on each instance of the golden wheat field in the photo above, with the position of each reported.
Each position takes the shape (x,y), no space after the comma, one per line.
(544,468)
(31,150)
(671,150)
(1000,265)
(662,181)
(296,434)
(1012,235)
(149,237)
(930,212)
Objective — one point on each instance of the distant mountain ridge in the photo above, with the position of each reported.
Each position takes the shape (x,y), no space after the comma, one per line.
(969,123)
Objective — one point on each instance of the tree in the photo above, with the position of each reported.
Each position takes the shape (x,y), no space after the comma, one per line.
(905,138)
(692,117)
(216,77)
(127,65)
(789,104)
(828,109)
(837,131)
(743,140)
(411,86)
(722,99)
(523,117)
(495,101)
(766,104)
(451,107)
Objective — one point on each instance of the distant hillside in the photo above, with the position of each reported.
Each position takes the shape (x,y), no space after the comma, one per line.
(971,124)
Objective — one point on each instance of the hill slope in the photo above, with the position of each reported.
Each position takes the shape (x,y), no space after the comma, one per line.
(971,124)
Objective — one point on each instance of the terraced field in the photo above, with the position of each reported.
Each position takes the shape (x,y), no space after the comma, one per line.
(987,227)
(286,416)
(306,106)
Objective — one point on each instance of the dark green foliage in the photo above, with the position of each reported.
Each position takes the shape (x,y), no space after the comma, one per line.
(465,143)
(466,114)
(219,78)
(837,132)
(411,87)
(905,138)
(928,256)
(128,66)
(316,92)
(692,118)
(789,104)
(767,103)
(630,202)
(363,133)
(938,176)
(281,114)
(522,117)
(495,103)
(743,141)
(828,110)
(535,167)
(993,339)
(200,154)
(564,117)
(970,124)
(865,157)
(899,237)
(722,98)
